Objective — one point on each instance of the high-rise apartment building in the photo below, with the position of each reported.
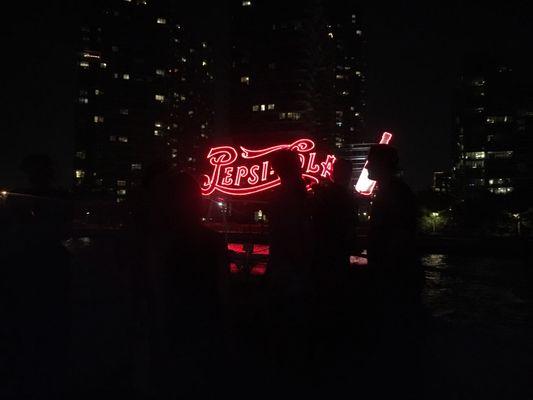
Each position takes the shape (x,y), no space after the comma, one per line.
(493,132)
(296,68)
(143,85)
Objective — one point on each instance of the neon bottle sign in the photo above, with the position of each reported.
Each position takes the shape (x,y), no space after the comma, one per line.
(242,172)
(365,185)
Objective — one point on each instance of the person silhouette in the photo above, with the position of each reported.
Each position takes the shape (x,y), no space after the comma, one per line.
(398,276)
(334,221)
(288,270)
(187,272)
(36,278)
(335,210)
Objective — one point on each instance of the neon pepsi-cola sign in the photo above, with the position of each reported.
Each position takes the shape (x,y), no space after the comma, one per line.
(242,172)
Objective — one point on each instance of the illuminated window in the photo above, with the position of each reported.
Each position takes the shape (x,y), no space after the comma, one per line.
(124,111)
(160,97)
(501,190)
(98,119)
(246,3)
(126,76)
(474,155)
(161,21)
(79,173)
(495,119)
(339,76)
(160,72)
(282,115)
(84,64)
(121,192)
(98,92)
(81,155)
(136,167)
(271,106)
(263,107)
(204,63)
(294,115)
(121,183)
(204,45)
(123,139)
(330,34)
(90,55)
(83,100)
(358,32)
(157,132)
(500,154)
(245,80)
(103,65)
(345,93)
(158,125)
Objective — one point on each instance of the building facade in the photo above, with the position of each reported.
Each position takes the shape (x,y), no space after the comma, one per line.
(296,69)
(492,142)
(142,88)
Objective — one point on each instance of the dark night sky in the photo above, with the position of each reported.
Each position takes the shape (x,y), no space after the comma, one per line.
(414,53)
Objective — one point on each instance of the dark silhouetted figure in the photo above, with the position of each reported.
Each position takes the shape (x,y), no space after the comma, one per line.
(186,268)
(334,220)
(35,278)
(288,272)
(397,274)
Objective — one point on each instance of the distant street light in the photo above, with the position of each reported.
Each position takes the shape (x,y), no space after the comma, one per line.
(518,223)
(434,217)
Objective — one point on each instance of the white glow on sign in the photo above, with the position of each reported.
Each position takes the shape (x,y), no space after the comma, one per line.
(365,185)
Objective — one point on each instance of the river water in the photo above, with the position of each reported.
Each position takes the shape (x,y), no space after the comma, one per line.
(480,342)
(480,335)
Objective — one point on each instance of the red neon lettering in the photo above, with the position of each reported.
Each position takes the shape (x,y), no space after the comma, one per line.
(264,171)
(311,166)
(302,160)
(218,157)
(365,185)
(254,178)
(253,172)
(242,171)
(327,166)
(227,180)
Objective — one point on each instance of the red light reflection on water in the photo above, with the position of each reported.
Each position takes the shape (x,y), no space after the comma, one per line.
(258,269)
(262,249)
(259,249)
(236,247)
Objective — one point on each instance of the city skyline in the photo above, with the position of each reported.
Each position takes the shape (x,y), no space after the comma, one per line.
(413,58)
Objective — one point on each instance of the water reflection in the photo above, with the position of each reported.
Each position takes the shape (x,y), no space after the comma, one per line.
(477,289)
